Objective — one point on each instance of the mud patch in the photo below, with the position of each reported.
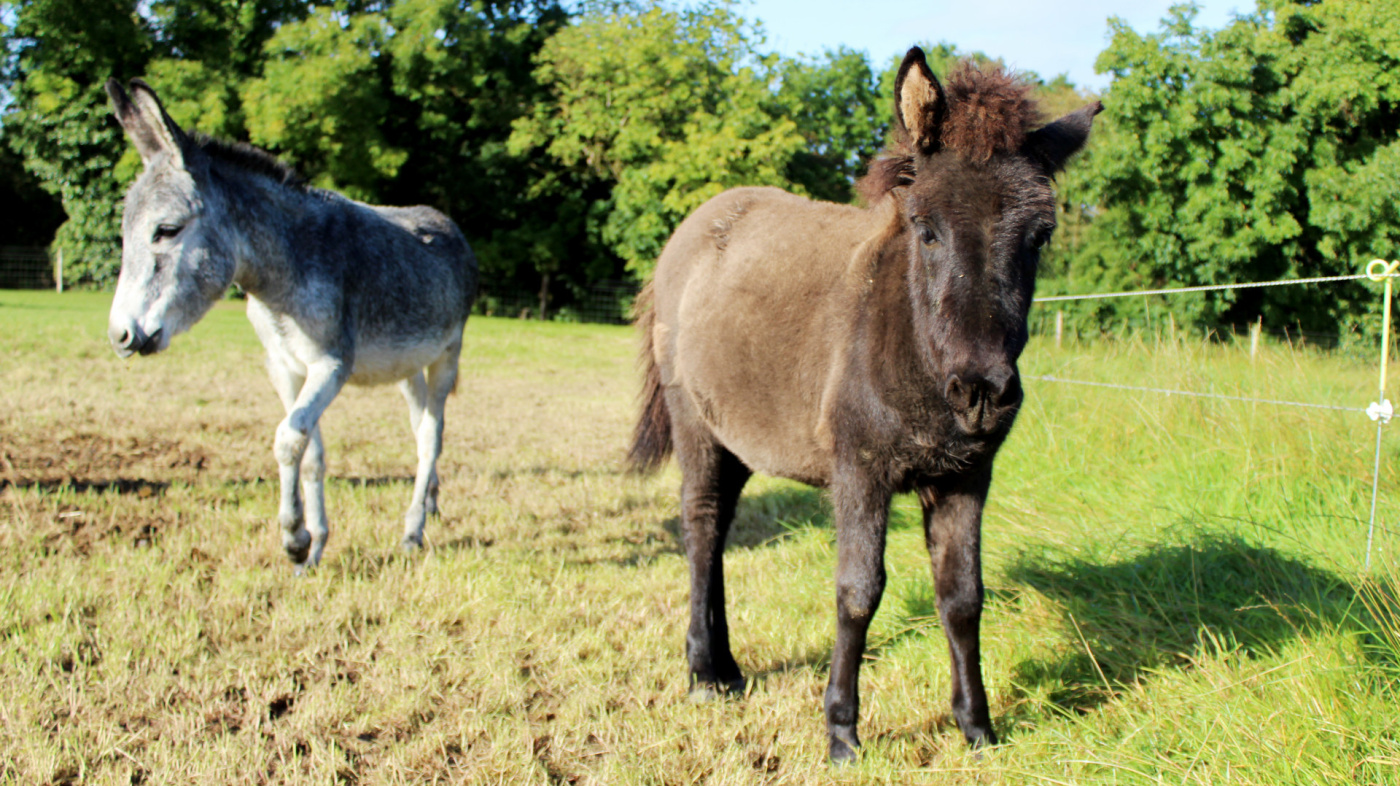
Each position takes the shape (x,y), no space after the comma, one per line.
(73,530)
(86,460)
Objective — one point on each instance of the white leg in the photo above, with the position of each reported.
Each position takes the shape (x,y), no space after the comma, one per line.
(295,539)
(295,435)
(441,378)
(313,490)
(415,392)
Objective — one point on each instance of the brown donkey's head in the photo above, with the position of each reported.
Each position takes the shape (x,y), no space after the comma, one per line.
(973,183)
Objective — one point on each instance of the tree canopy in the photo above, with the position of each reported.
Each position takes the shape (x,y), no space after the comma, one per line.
(569,144)
(1267,149)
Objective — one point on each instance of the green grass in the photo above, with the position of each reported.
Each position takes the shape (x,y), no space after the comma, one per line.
(1176,592)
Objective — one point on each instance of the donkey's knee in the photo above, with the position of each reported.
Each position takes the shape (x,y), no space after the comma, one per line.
(960,602)
(858,598)
(291,442)
(313,459)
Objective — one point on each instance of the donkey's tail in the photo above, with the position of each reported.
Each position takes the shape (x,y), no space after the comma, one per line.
(651,440)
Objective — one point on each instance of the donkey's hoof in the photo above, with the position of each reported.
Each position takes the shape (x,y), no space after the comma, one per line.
(843,744)
(411,543)
(981,738)
(297,546)
(704,690)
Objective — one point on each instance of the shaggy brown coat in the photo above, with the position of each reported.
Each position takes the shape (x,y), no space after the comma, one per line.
(866,350)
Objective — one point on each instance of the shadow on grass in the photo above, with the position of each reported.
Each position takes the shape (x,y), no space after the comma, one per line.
(765,518)
(138,486)
(1166,606)
(358,481)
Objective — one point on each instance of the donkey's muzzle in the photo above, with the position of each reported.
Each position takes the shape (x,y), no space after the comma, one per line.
(129,339)
(983,403)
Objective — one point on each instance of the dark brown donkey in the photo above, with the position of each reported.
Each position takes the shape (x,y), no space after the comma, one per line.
(868,351)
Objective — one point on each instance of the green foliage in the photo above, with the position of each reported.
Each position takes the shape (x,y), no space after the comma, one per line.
(319,88)
(59,53)
(835,103)
(668,107)
(461,73)
(1264,150)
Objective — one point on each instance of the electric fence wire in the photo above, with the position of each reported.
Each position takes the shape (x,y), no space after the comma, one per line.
(1379,411)
(1210,288)
(1193,394)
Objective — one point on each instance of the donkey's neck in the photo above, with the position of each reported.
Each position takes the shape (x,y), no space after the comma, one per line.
(262,214)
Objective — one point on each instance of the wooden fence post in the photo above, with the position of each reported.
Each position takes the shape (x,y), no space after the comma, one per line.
(1254,329)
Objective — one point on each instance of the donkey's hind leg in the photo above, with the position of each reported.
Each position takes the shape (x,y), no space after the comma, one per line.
(415,392)
(712,479)
(439,381)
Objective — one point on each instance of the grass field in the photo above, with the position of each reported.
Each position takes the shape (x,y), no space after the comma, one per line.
(1176,592)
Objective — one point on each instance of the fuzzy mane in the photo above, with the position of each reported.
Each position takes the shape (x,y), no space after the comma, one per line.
(988,112)
(252,159)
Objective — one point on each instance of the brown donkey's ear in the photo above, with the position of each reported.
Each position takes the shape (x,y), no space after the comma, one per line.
(146,121)
(1053,144)
(919,103)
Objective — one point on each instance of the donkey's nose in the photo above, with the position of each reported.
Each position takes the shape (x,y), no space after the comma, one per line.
(979,399)
(126,337)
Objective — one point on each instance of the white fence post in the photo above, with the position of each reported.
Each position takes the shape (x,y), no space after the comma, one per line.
(1059,328)
(58,276)
(1254,330)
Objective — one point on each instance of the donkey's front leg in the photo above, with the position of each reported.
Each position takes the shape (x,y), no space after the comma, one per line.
(953,532)
(427,424)
(295,434)
(862,514)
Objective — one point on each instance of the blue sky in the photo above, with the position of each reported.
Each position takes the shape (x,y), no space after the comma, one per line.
(1049,37)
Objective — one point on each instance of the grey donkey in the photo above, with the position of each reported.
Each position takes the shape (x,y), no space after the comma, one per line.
(338,291)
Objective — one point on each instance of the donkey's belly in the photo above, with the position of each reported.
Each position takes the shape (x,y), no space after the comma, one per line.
(384,362)
(761,411)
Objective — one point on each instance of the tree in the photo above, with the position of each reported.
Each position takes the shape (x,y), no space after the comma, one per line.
(59,54)
(1267,149)
(666,108)
(834,101)
(322,98)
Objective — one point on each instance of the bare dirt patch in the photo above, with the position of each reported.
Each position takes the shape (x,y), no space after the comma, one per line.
(88,460)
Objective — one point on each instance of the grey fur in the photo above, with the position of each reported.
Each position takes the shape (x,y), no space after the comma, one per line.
(338,291)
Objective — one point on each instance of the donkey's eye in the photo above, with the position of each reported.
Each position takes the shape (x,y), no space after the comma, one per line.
(1041,236)
(165,231)
(927,235)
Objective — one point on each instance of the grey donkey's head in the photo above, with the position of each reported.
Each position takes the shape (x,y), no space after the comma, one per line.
(175,263)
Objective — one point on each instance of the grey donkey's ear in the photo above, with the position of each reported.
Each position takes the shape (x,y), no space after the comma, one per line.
(1052,145)
(146,122)
(919,103)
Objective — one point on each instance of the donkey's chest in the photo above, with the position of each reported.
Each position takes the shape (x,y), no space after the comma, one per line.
(908,447)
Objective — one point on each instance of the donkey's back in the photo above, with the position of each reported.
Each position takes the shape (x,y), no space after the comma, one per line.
(753,297)
(401,281)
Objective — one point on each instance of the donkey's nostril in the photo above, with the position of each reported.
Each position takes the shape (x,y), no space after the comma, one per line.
(150,344)
(962,395)
(125,338)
